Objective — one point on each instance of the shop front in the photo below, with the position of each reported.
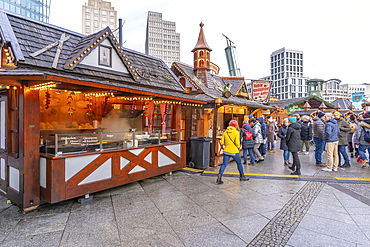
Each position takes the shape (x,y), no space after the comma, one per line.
(83,116)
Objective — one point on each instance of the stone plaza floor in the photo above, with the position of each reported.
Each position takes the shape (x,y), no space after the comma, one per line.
(189,209)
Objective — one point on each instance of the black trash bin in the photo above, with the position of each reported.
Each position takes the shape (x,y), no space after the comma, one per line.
(200,151)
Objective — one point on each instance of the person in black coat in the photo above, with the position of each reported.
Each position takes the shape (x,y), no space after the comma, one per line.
(293,140)
(306,133)
(283,146)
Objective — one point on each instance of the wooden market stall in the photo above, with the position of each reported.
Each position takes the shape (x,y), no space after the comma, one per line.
(227,98)
(80,114)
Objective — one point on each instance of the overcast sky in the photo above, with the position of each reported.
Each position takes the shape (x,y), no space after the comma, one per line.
(333,34)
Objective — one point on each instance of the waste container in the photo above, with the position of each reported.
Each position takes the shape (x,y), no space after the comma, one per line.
(200,151)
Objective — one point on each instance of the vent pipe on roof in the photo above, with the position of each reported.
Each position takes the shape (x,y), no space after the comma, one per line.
(231,58)
(120,32)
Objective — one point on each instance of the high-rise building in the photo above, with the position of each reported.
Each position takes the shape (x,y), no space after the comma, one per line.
(96,15)
(287,74)
(162,41)
(35,9)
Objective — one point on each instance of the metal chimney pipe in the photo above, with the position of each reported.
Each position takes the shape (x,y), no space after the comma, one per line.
(120,32)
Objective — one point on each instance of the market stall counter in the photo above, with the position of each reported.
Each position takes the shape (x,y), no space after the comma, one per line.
(75,165)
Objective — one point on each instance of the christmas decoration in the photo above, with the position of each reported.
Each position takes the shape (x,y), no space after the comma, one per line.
(145,107)
(155,111)
(106,104)
(47,97)
(133,106)
(70,109)
(89,109)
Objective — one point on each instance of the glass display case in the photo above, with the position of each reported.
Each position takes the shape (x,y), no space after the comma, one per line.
(69,144)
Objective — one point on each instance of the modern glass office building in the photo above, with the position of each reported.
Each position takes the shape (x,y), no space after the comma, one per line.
(35,9)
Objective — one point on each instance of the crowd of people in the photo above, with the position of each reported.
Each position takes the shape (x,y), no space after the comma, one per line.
(329,132)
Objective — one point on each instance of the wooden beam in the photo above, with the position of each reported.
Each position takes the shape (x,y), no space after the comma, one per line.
(22,77)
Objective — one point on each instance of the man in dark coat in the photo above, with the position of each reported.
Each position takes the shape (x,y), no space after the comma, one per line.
(247,143)
(318,133)
(331,139)
(342,142)
(306,134)
(283,146)
(293,140)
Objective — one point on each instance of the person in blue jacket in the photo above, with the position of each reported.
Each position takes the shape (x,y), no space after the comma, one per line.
(247,136)
(331,140)
(264,130)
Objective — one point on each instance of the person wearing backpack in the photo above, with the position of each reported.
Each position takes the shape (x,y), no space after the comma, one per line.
(246,138)
(283,146)
(331,138)
(363,138)
(342,143)
(231,140)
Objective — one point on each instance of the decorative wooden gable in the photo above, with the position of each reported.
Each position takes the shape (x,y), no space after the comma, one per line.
(102,51)
(187,79)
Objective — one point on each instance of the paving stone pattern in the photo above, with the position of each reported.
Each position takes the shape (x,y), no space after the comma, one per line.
(281,227)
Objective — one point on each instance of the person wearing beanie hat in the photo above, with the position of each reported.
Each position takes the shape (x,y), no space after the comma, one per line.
(251,116)
(292,119)
(344,128)
(360,138)
(351,147)
(293,140)
(320,114)
(247,136)
(318,132)
(231,141)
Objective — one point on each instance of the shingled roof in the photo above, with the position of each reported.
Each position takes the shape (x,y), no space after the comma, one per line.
(31,36)
(211,93)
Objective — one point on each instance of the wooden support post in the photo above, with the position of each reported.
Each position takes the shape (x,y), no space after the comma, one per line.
(212,156)
(31,144)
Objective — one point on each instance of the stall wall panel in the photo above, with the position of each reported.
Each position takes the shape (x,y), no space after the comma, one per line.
(2,169)
(43,172)
(163,160)
(148,158)
(123,162)
(176,149)
(103,172)
(112,169)
(14,178)
(137,169)
(75,164)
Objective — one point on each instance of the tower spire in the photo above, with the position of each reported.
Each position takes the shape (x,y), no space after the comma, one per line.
(202,43)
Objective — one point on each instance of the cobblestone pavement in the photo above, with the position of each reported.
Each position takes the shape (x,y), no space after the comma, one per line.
(279,230)
(191,210)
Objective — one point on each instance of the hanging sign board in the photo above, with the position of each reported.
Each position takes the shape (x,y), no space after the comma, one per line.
(261,90)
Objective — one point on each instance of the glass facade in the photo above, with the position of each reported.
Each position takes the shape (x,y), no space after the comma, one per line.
(35,9)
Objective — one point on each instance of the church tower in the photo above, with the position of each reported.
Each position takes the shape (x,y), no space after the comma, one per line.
(202,62)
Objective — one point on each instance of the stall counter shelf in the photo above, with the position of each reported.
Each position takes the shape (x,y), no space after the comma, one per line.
(64,177)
